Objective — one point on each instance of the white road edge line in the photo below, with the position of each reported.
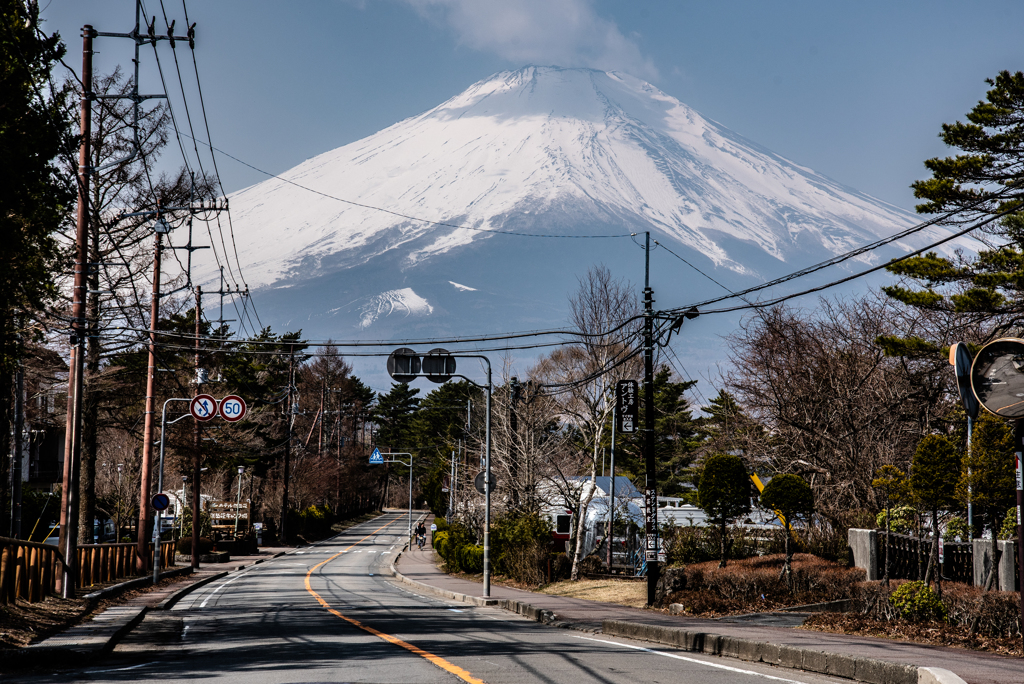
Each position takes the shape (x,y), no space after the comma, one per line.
(690,660)
(218,588)
(119,669)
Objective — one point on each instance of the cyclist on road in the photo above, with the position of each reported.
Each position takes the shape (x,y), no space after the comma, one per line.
(421,534)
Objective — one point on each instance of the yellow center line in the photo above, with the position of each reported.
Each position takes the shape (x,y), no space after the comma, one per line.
(436,660)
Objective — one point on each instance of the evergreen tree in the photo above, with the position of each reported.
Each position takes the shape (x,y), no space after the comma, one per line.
(988,480)
(724,492)
(892,483)
(675,435)
(985,180)
(35,199)
(934,472)
(394,415)
(791,496)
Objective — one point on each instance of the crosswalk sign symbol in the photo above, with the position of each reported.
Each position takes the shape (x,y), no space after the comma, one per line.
(375,457)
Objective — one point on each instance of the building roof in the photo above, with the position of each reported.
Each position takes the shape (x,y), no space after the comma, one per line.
(623,486)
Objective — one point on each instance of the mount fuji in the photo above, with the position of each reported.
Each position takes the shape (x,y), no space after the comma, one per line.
(338,246)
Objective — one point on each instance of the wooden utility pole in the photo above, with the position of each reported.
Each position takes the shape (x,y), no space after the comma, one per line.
(73,433)
(145,507)
(197,456)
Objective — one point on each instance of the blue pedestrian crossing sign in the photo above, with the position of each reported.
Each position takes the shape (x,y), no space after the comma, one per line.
(375,457)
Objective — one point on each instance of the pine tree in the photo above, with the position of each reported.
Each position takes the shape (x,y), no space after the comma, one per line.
(984,181)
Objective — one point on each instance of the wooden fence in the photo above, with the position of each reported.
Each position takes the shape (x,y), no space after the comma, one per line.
(29,570)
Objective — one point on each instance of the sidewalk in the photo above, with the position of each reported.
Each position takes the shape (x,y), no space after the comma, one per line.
(865,659)
(100,632)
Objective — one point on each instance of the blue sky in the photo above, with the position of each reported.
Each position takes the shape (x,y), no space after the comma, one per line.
(855,90)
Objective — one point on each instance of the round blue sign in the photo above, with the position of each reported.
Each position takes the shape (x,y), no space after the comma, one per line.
(161,501)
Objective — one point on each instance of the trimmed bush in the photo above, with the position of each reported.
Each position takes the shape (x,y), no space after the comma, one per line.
(916,602)
(184,546)
(471,558)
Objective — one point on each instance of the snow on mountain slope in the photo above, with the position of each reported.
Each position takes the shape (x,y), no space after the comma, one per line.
(550,150)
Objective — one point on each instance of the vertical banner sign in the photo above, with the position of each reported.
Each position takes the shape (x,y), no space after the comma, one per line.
(627,406)
(651,515)
(1020,487)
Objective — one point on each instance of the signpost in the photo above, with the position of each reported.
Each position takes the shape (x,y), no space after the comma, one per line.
(232,408)
(161,501)
(203,407)
(997,380)
(380,459)
(627,406)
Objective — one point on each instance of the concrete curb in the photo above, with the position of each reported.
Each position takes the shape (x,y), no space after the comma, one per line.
(168,602)
(147,580)
(867,670)
(936,675)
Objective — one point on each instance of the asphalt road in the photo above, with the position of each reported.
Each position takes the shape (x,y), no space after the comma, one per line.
(332,613)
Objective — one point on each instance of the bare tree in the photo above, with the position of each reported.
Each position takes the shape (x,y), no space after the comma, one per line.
(580,378)
(831,404)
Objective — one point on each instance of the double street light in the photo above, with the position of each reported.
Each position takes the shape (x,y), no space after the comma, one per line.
(438,365)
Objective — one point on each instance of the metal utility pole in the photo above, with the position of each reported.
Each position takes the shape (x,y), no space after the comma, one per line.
(145,510)
(73,437)
(283,532)
(238,500)
(651,487)
(611,492)
(197,456)
(1018,443)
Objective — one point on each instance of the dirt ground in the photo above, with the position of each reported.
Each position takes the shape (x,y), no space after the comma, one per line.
(934,633)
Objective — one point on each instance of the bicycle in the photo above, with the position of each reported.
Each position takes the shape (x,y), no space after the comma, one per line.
(421,539)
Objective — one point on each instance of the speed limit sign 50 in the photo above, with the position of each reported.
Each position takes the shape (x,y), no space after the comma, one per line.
(232,408)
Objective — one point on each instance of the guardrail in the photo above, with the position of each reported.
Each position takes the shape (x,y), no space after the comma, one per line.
(29,570)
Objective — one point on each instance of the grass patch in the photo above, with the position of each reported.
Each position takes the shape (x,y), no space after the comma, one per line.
(623,592)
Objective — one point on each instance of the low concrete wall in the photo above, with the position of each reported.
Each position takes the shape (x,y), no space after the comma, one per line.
(1007,563)
(864,544)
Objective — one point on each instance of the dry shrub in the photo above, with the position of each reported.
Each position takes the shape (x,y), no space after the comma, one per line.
(697,544)
(757,585)
(997,612)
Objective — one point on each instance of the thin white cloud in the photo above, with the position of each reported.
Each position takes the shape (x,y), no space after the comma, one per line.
(558,32)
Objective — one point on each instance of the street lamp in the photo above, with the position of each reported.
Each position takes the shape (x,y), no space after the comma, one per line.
(438,365)
(238,501)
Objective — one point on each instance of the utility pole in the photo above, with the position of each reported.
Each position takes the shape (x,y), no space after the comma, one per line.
(73,437)
(651,486)
(145,513)
(611,492)
(19,445)
(1018,444)
(513,461)
(197,436)
(287,448)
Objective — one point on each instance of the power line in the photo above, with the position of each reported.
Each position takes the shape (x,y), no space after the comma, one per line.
(442,224)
